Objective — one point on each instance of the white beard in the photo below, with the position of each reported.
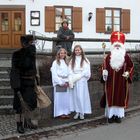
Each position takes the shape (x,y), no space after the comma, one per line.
(117,57)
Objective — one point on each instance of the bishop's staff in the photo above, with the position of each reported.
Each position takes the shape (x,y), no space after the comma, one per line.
(105,74)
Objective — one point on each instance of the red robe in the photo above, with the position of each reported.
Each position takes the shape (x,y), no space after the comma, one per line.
(117,87)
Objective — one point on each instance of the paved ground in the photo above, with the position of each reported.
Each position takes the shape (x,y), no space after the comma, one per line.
(7,125)
(54,128)
(129,129)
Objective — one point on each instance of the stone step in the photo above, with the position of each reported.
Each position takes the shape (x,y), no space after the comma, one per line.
(4,74)
(6,68)
(5,63)
(4,82)
(6,90)
(6,110)
(6,100)
(6,93)
(6,53)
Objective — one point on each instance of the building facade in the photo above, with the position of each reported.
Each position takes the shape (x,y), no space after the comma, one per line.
(90,19)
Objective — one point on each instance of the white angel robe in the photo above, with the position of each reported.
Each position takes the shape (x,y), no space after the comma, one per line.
(61,99)
(80,101)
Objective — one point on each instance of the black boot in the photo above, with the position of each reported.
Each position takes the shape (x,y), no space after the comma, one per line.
(20,128)
(112,119)
(29,124)
(117,119)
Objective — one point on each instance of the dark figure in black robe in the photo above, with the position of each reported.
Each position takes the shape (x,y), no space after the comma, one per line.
(22,78)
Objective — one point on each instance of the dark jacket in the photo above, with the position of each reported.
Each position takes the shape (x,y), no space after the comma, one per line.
(63,34)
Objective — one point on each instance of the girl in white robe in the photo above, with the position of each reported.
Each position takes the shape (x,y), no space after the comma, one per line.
(79,68)
(60,73)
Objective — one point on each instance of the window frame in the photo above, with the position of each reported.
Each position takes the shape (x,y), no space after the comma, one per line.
(63,16)
(35,18)
(112,19)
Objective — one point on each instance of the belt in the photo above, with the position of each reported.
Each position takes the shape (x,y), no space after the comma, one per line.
(28,77)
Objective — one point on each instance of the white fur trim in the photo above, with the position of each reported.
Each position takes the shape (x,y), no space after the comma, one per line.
(117,111)
(73,79)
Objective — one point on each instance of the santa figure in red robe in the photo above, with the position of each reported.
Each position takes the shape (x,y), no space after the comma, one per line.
(117,75)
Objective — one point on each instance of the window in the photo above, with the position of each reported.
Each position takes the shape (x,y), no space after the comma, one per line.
(112,19)
(63,13)
(17,22)
(35,18)
(4,21)
(55,14)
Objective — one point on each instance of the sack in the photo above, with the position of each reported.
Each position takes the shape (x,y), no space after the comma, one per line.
(61,88)
(43,100)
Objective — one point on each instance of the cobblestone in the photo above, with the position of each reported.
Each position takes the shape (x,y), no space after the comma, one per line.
(7,125)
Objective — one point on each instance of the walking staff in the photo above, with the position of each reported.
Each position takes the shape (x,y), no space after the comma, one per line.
(105,74)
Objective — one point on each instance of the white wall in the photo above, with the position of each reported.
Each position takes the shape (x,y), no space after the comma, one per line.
(89,28)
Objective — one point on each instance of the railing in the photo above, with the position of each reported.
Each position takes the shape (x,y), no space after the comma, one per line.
(55,40)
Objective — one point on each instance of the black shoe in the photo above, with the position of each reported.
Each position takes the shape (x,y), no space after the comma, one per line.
(117,119)
(20,127)
(29,124)
(112,119)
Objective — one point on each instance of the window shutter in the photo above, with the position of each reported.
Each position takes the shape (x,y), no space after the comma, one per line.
(100,20)
(125,20)
(77,19)
(49,19)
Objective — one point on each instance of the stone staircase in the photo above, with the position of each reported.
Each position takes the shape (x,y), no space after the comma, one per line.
(6,93)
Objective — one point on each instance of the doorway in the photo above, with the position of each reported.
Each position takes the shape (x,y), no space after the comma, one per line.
(12,26)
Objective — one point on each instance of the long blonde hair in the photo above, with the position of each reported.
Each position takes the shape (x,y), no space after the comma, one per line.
(82,55)
(58,56)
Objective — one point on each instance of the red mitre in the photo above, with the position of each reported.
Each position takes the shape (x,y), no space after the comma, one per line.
(117,37)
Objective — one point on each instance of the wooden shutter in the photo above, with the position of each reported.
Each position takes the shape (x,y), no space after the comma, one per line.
(100,20)
(125,20)
(77,19)
(49,19)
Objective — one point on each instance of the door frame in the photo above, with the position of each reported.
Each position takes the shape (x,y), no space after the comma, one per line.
(14,8)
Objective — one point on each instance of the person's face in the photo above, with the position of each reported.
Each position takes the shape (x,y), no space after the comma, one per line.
(117,46)
(32,42)
(62,54)
(77,51)
(65,24)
